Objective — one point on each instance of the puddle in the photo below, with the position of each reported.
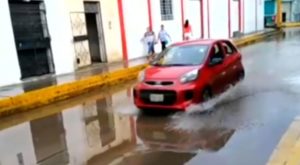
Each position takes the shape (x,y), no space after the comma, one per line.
(250,86)
(240,107)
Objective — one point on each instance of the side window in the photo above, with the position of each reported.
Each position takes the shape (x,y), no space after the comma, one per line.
(228,48)
(217,51)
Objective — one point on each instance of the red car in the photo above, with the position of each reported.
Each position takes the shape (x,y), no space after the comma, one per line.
(188,72)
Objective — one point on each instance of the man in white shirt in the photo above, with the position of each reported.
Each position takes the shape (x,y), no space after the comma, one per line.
(163,36)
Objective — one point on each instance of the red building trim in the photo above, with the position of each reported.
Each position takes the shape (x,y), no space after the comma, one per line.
(123,31)
(256,15)
(229,18)
(240,14)
(208,20)
(150,14)
(133,129)
(243,13)
(182,16)
(202,18)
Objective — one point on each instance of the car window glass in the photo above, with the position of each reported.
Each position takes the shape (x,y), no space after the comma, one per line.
(228,48)
(217,52)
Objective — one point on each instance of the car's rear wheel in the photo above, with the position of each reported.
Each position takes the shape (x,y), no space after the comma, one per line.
(241,75)
(206,94)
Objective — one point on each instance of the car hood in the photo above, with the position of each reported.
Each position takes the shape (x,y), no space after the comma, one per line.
(169,72)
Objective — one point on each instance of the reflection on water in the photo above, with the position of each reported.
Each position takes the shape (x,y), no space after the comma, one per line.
(78,135)
(158,135)
(92,132)
(49,144)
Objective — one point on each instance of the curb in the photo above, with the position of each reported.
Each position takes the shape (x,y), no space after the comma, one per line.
(291,24)
(45,96)
(52,109)
(287,151)
(255,38)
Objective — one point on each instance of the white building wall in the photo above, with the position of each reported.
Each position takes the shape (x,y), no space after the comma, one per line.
(234,16)
(205,19)
(218,10)
(192,12)
(9,66)
(61,36)
(110,25)
(136,21)
(111,29)
(65,13)
(21,137)
(174,27)
(260,15)
(250,15)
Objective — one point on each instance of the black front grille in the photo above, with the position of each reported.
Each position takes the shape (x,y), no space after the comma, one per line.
(159,82)
(169,96)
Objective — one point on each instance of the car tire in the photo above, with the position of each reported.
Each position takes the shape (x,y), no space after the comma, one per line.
(241,75)
(206,94)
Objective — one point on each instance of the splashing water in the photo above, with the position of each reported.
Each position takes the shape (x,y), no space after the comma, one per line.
(252,85)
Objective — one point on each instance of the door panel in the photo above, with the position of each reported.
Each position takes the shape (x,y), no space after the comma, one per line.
(218,79)
(31,37)
(218,71)
(231,62)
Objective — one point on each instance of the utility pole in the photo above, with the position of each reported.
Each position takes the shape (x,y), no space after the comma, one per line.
(279,13)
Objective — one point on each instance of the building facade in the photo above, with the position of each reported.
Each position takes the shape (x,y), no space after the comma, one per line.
(40,37)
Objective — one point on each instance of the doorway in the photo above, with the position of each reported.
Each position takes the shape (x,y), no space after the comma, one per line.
(283,17)
(95,34)
(31,38)
(93,38)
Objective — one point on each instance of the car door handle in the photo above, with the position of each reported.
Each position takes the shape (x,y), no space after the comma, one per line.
(234,67)
(223,73)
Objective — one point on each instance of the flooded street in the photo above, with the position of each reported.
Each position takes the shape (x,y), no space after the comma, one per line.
(243,125)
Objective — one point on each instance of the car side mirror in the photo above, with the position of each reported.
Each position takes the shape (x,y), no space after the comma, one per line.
(216,61)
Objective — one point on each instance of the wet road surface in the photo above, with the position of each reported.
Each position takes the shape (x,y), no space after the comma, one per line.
(104,127)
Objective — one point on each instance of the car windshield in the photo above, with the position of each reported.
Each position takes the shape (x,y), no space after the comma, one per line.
(182,56)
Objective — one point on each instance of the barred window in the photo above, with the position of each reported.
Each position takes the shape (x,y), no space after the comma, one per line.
(166,10)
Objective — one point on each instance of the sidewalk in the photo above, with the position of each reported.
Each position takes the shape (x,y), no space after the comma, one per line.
(45,90)
(51,80)
(288,150)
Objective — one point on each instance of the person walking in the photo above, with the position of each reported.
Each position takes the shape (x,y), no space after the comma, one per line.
(149,38)
(187,30)
(164,37)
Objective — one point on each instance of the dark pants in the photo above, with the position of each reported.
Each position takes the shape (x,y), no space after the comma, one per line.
(163,45)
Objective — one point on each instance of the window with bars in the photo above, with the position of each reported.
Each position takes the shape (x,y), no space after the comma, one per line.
(166,10)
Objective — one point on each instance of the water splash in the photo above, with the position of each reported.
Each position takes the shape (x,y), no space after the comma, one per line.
(252,85)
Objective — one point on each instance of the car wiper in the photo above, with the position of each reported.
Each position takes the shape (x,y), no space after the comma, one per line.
(156,64)
(177,64)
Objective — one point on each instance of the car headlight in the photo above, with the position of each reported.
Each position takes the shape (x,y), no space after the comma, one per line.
(190,76)
(141,76)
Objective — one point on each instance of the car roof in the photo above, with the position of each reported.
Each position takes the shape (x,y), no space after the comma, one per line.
(198,42)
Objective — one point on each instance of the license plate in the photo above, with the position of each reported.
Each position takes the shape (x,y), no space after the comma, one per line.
(156,97)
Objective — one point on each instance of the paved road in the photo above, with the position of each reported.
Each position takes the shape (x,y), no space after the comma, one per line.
(104,127)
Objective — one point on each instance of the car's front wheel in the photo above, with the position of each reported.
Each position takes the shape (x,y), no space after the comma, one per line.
(206,94)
